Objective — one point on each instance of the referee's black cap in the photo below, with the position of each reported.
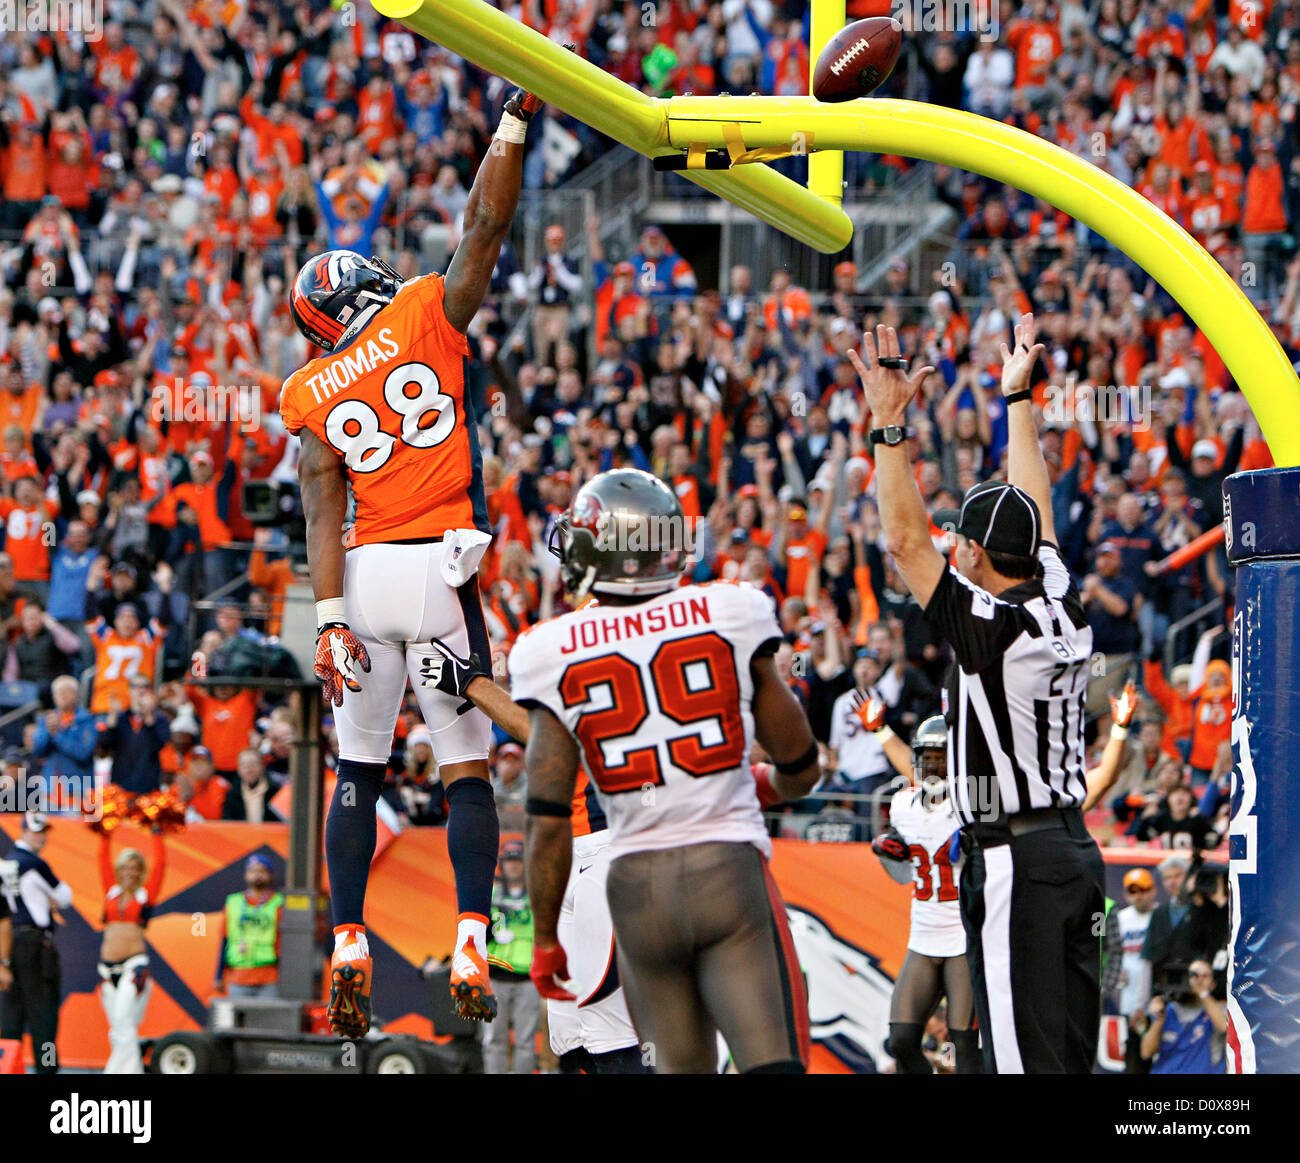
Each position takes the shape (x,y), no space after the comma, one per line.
(998,516)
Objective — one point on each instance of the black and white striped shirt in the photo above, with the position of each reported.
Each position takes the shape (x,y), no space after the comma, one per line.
(1015,696)
(31,888)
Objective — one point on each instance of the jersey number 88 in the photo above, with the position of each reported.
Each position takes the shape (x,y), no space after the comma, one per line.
(367,447)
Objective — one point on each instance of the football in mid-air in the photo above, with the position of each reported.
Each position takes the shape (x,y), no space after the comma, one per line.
(857,59)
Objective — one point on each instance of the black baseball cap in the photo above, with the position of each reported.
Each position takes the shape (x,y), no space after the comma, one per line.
(998,516)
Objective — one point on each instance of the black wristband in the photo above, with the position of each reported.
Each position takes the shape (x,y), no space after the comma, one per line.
(1016,397)
(331,626)
(536,807)
(806,760)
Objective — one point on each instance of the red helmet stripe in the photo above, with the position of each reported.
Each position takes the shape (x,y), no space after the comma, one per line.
(330,328)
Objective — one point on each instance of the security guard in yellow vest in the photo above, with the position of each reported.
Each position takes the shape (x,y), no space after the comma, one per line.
(510,953)
(249,962)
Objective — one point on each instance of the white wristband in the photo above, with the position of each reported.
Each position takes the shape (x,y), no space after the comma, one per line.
(329,610)
(512,128)
(1118,732)
(884,735)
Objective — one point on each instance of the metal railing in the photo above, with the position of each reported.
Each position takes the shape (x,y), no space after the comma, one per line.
(16,715)
(1182,626)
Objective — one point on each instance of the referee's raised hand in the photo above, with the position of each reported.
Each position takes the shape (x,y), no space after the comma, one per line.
(883,371)
(1016,365)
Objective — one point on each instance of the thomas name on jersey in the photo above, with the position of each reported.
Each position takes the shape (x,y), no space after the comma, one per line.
(339,372)
(635,624)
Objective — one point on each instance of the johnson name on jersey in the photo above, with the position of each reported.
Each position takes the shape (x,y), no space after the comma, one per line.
(659,697)
(392,403)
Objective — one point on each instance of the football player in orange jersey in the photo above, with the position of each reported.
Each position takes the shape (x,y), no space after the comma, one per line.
(385,422)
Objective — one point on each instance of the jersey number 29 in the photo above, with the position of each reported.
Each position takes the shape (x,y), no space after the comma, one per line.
(695,684)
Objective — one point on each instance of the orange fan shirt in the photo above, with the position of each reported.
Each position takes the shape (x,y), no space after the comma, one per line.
(263,197)
(20,407)
(1204,216)
(1229,184)
(802,554)
(1036,43)
(392,404)
(213,530)
(118,660)
(273,577)
(25,538)
(227,724)
(22,465)
(1264,212)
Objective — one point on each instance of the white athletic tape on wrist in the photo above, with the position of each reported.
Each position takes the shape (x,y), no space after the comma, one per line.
(884,735)
(329,610)
(512,128)
(1118,732)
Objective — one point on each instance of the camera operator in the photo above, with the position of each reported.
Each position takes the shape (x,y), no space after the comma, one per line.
(1186,1025)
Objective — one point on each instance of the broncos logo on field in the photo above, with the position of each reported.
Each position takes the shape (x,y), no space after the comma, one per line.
(848,994)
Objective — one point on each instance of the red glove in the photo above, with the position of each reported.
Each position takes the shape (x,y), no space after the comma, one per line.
(338,653)
(549,968)
(891,846)
(768,796)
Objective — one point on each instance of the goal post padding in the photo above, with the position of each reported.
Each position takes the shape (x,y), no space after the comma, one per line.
(1262,519)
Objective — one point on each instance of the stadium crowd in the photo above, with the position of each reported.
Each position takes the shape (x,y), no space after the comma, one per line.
(162,184)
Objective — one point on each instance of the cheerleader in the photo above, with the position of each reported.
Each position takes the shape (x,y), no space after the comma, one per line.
(123,961)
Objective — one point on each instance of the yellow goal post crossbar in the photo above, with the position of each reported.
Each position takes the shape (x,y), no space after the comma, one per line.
(494,41)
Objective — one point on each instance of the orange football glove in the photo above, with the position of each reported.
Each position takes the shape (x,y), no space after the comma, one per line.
(1123,708)
(549,968)
(871,711)
(338,653)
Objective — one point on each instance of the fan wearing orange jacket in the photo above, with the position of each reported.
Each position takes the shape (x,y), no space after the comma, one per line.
(1207,703)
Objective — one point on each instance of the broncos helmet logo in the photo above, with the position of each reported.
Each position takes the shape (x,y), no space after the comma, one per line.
(337,293)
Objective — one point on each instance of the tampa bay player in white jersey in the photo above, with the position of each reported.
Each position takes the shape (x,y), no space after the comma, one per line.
(919,847)
(658,691)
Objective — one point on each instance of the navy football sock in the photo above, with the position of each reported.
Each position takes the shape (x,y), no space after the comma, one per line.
(629,1060)
(473,836)
(350,838)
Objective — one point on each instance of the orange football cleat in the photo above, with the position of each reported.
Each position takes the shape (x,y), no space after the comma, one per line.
(351,971)
(471,990)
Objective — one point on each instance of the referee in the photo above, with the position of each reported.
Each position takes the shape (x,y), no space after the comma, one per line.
(1031,889)
(31,889)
